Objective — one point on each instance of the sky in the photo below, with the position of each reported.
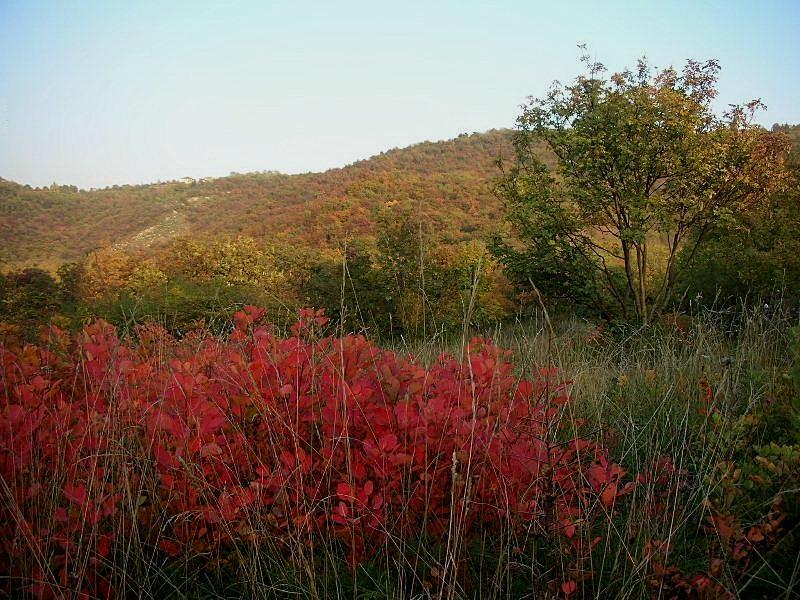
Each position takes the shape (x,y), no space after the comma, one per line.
(102,93)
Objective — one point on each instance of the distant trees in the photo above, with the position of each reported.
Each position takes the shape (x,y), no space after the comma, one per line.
(106,270)
(644,170)
(450,178)
(351,288)
(434,285)
(28,297)
(407,281)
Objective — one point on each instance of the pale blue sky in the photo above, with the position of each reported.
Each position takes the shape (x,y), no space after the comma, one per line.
(97,93)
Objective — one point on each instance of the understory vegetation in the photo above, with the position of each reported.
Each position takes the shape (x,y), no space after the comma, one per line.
(655,462)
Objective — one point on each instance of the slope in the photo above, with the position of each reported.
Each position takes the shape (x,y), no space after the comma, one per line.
(448,183)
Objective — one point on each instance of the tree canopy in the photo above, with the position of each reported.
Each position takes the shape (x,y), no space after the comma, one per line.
(644,169)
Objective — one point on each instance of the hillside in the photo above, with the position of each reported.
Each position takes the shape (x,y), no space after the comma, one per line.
(448,183)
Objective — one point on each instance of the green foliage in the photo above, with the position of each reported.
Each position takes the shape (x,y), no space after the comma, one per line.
(28,298)
(352,290)
(386,288)
(476,291)
(754,254)
(794,377)
(641,161)
(70,279)
(178,305)
(434,286)
(794,372)
(555,270)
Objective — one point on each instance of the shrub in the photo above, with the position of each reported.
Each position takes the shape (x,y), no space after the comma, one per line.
(28,297)
(213,449)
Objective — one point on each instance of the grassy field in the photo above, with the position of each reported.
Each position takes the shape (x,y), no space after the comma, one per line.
(692,426)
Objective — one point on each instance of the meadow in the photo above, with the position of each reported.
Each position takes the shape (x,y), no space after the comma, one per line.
(559,460)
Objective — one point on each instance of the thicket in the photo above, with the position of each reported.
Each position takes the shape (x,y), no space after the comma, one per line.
(405,282)
(260,465)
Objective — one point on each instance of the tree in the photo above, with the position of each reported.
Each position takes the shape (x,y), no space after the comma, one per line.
(28,297)
(354,293)
(643,170)
(70,281)
(756,254)
(106,271)
(403,241)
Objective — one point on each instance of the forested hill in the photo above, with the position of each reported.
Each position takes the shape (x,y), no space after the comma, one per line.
(448,183)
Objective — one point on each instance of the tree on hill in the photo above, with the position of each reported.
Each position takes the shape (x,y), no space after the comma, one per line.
(644,170)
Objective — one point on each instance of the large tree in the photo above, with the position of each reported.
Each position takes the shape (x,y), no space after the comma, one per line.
(638,168)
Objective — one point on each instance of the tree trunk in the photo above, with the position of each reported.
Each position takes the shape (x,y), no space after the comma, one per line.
(632,289)
(641,256)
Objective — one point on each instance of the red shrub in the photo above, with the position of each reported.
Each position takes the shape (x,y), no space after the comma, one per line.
(205,443)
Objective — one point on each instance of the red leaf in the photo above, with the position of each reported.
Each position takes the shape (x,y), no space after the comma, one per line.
(76,494)
(388,442)
(170,547)
(609,495)
(210,449)
(569,587)
(344,491)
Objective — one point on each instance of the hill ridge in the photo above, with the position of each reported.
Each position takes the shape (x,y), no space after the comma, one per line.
(448,181)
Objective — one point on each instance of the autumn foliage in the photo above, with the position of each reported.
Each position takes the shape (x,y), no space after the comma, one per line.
(200,446)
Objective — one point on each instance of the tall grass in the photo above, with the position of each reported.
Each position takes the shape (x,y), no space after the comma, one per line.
(638,390)
(687,389)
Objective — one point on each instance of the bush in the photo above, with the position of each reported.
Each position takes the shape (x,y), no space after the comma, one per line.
(215,451)
(28,298)
(353,291)
(178,305)
(753,255)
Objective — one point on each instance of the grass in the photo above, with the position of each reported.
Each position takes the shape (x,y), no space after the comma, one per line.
(707,394)
(638,391)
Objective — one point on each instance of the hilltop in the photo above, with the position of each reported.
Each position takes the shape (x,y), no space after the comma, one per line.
(448,183)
